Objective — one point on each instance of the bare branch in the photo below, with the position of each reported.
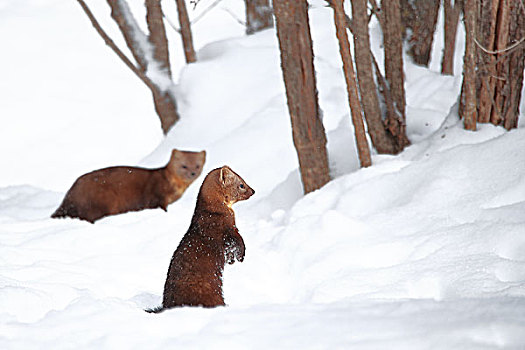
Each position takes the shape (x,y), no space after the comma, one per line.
(234,16)
(510,48)
(208,9)
(114,47)
(171,24)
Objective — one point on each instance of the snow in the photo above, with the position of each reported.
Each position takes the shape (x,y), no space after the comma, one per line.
(424,250)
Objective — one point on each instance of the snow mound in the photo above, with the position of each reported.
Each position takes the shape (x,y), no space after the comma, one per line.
(422,250)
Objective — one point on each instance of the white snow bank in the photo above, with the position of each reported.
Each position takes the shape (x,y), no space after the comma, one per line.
(422,250)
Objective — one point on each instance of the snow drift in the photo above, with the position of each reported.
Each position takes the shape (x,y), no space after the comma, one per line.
(422,250)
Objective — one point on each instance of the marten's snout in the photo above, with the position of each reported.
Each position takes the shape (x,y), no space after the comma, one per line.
(249,192)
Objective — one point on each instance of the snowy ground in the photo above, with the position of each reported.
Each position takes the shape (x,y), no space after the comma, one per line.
(425,250)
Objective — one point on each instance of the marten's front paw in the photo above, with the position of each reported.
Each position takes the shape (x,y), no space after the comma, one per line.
(239,252)
(234,249)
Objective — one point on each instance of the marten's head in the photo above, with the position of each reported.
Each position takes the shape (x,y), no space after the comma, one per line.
(185,165)
(222,186)
(233,186)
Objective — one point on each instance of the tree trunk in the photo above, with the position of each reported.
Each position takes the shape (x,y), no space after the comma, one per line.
(469,74)
(185,31)
(393,46)
(510,62)
(420,17)
(258,15)
(381,139)
(165,104)
(166,109)
(451,26)
(513,67)
(157,35)
(386,127)
(499,61)
(355,107)
(293,32)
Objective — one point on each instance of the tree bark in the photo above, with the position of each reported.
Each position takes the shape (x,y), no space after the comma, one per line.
(393,45)
(469,74)
(166,109)
(510,63)
(258,15)
(185,31)
(502,36)
(293,32)
(451,20)
(486,29)
(157,35)
(353,98)
(514,67)
(499,61)
(420,17)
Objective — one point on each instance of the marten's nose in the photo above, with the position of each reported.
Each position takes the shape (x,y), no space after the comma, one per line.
(252,191)
(192,173)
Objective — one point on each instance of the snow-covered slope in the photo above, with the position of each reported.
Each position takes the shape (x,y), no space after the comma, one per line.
(424,250)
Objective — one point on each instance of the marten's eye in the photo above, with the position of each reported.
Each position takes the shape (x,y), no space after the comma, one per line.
(184,167)
(197,167)
(241,186)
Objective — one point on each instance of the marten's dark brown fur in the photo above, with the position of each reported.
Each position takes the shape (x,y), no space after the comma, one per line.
(120,189)
(195,272)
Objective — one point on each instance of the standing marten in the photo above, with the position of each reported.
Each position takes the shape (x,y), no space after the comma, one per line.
(195,272)
(120,189)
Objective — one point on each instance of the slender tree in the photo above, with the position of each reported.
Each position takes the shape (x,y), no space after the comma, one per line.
(393,45)
(185,31)
(157,35)
(451,19)
(164,101)
(258,15)
(367,86)
(293,32)
(469,76)
(386,126)
(355,107)
(388,136)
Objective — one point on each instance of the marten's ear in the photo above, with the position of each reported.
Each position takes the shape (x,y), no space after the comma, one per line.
(226,175)
(203,155)
(174,154)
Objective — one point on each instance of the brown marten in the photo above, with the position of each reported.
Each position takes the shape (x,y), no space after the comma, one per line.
(120,189)
(195,272)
